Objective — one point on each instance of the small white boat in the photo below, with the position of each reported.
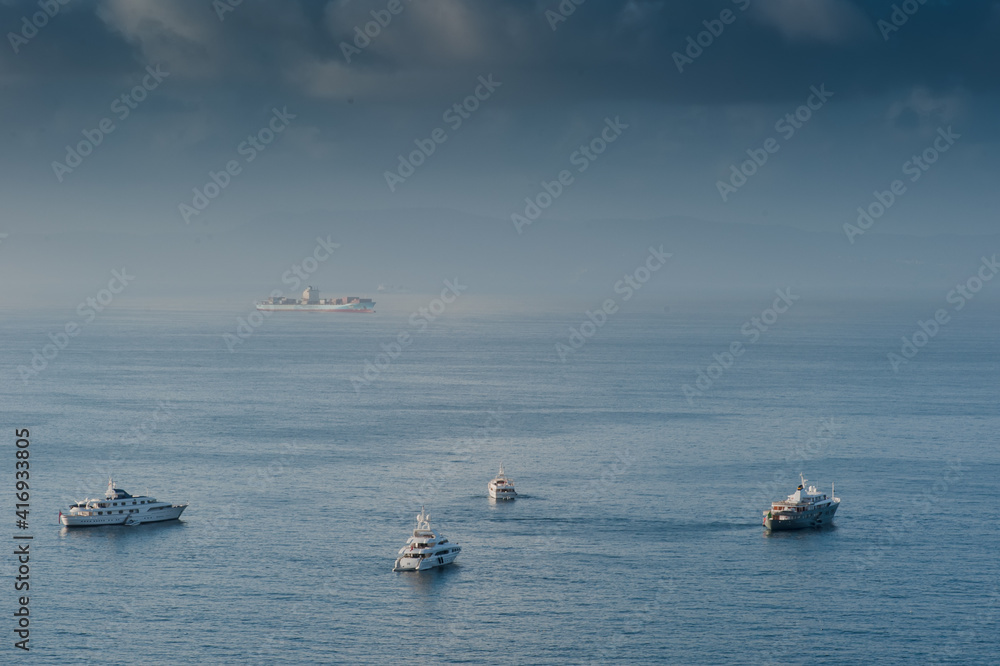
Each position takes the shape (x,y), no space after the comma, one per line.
(806,507)
(119,508)
(425,549)
(502,487)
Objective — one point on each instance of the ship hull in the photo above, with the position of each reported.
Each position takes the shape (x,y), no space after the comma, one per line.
(156,516)
(269,307)
(817,518)
(501,494)
(411,564)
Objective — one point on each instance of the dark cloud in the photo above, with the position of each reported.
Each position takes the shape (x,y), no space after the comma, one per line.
(355,118)
(612,48)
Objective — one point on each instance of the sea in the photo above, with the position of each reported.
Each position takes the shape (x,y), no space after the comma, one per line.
(644,454)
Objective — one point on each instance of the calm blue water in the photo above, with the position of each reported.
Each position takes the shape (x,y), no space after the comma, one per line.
(637,536)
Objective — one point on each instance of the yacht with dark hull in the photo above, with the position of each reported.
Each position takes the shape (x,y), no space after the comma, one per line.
(806,507)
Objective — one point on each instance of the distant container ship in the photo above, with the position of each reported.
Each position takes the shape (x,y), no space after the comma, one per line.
(311,302)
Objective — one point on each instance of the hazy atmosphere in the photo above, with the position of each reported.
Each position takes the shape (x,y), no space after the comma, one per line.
(185,88)
(304,290)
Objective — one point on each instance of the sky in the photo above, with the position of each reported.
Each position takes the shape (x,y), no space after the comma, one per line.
(126,121)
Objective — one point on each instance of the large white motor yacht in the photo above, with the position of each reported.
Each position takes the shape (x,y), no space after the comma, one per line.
(806,507)
(425,549)
(502,487)
(120,508)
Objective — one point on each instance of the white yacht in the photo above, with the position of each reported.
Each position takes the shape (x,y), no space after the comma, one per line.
(425,549)
(120,508)
(806,507)
(502,488)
